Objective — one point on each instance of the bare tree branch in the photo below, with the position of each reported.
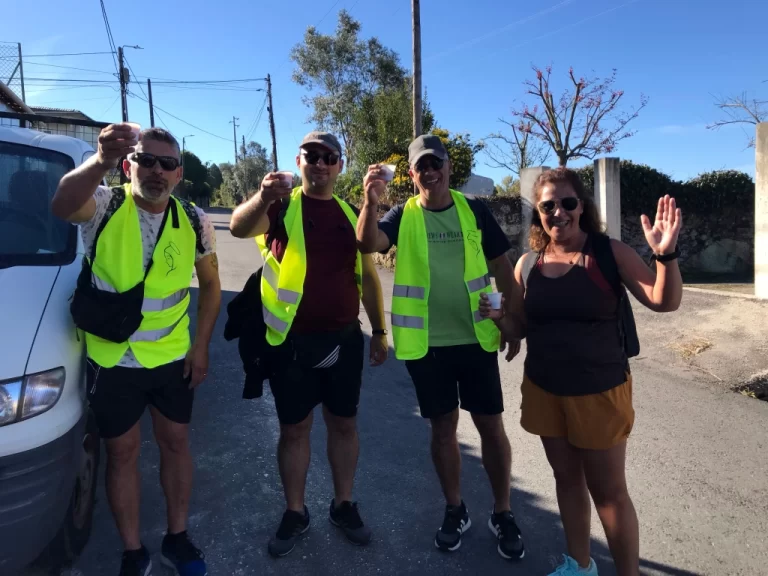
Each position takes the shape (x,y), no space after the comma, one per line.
(520,151)
(741,110)
(588,115)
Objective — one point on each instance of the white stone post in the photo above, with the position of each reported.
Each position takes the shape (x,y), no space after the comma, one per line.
(608,194)
(761,211)
(528,178)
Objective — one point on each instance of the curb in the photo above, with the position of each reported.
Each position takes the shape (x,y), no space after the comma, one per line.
(722,293)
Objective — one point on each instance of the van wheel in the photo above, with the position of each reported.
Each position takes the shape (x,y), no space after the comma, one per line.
(76,527)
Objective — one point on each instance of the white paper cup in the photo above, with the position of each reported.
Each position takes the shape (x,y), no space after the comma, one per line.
(495,299)
(287,178)
(136,129)
(388,172)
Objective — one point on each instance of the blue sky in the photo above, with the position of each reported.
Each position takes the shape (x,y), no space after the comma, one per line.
(679,53)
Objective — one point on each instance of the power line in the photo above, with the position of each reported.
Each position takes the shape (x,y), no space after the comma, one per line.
(210,81)
(57,55)
(181,120)
(71,80)
(326,14)
(67,67)
(112,45)
(255,124)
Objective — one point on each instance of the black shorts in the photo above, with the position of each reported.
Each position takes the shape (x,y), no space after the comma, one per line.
(308,370)
(118,396)
(449,373)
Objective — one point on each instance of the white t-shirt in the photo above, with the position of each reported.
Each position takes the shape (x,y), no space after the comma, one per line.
(150,225)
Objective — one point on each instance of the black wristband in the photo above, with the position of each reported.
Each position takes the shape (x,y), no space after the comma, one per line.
(667,257)
(381,332)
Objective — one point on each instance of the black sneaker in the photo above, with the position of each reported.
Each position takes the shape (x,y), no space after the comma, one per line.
(182,556)
(348,519)
(292,526)
(136,563)
(455,523)
(505,528)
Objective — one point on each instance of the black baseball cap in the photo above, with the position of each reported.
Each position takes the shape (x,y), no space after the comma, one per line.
(426,145)
(325,139)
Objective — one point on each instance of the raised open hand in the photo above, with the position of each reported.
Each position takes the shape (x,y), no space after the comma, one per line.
(662,236)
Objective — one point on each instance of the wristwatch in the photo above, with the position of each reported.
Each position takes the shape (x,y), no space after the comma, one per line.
(381,332)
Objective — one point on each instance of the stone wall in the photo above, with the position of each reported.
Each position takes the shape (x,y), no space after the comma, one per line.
(719,245)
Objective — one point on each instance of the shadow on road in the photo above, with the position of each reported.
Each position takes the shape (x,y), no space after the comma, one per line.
(237,500)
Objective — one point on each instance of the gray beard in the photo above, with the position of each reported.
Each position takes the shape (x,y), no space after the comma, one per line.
(151,197)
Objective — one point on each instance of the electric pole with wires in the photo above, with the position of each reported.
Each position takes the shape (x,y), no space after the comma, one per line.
(416,17)
(234,130)
(124,78)
(151,107)
(271,123)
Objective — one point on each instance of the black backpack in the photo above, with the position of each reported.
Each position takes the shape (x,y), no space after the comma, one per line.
(606,262)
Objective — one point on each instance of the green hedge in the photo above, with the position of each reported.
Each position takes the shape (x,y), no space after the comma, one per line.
(641,187)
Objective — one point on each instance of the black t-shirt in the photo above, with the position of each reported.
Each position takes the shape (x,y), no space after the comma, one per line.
(495,242)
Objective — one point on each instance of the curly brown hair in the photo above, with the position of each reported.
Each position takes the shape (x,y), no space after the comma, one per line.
(538,239)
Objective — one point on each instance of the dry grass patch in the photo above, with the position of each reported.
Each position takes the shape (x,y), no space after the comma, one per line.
(687,349)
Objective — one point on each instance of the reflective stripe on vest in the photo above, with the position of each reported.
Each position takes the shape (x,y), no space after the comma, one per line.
(148,304)
(163,335)
(282,282)
(410,295)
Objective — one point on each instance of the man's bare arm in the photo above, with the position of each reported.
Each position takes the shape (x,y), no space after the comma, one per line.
(73,200)
(209,299)
(369,237)
(250,219)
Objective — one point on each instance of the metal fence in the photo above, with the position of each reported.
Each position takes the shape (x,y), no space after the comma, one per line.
(10,67)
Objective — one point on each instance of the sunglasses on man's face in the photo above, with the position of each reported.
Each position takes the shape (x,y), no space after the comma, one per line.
(569,204)
(146,160)
(432,162)
(313,157)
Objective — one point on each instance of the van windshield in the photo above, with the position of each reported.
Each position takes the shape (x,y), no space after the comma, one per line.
(29,234)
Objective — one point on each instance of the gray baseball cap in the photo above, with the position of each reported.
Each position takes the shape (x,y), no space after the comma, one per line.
(325,139)
(426,145)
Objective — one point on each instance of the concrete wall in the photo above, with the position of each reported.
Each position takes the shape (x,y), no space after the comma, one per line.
(761,211)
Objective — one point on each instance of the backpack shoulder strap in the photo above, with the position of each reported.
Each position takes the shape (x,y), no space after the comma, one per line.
(606,261)
(194,219)
(278,221)
(118,197)
(529,263)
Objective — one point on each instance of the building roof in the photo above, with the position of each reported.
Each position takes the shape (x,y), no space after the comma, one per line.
(64,112)
(9,97)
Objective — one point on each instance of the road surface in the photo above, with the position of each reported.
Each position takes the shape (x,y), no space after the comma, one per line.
(697,470)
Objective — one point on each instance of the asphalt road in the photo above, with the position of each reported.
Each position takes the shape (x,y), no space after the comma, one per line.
(697,468)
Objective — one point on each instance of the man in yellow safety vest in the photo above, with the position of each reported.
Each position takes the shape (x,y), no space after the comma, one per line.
(142,245)
(446,245)
(311,285)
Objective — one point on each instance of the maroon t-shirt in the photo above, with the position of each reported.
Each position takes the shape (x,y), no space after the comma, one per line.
(330,300)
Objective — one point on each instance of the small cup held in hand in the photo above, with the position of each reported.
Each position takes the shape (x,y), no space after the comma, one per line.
(495,299)
(286,177)
(388,172)
(135,129)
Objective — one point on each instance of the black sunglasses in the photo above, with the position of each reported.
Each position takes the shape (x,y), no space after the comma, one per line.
(313,157)
(429,162)
(569,204)
(145,160)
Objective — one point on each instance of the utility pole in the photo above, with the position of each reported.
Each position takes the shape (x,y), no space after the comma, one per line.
(123,83)
(272,123)
(243,148)
(234,130)
(151,107)
(416,16)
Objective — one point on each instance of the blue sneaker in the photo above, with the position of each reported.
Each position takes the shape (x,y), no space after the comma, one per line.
(570,567)
(136,563)
(182,556)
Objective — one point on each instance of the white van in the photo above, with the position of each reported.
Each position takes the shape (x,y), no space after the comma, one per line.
(49,444)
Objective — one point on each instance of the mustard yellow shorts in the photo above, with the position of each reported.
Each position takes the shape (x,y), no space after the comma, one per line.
(592,422)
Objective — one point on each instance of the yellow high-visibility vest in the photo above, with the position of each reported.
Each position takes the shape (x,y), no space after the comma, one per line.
(282,283)
(410,295)
(163,335)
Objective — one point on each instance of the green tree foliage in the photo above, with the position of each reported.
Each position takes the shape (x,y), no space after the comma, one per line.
(241,180)
(508,186)
(383,125)
(340,70)
(215,178)
(195,185)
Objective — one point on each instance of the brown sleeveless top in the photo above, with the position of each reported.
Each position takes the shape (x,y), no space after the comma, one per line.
(572,340)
